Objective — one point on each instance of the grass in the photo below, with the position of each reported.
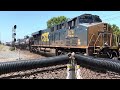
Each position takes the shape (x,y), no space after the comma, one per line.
(1,47)
(5,48)
(12,48)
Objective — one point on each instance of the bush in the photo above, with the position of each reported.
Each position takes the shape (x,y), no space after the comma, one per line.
(12,48)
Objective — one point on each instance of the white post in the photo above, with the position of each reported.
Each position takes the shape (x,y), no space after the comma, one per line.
(73,70)
(19,54)
(78,72)
(70,72)
(15,49)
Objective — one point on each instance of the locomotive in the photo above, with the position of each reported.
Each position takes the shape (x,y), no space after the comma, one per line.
(85,34)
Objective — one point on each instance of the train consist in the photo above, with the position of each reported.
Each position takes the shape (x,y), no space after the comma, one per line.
(85,34)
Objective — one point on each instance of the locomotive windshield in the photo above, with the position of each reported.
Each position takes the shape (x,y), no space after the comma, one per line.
(97,19)
(88,18)
(85,19)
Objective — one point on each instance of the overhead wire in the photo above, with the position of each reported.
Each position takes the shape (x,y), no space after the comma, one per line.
(111,18)
(109,15)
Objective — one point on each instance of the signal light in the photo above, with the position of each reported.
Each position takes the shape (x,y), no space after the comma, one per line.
(14,34)
(14,39)
(15,26)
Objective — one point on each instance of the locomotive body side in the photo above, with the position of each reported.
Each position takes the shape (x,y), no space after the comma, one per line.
(79,35)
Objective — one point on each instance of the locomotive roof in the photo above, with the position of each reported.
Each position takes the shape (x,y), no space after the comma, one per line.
(35,33)
(76,17)
(90,24)
(84,24)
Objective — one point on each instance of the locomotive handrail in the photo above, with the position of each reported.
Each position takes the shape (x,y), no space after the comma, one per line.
(110,40)
(97,39)
(91,39)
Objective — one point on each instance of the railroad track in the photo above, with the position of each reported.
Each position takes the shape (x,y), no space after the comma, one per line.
(59,72)
(38,73)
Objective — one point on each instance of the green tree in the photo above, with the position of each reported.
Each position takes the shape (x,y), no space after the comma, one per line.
(56,20)
(115,29)
(116,32)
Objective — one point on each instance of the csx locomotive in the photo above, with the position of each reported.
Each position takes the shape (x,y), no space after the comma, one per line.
(85,34)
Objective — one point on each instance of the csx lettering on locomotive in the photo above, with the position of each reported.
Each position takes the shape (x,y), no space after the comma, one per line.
(44,37)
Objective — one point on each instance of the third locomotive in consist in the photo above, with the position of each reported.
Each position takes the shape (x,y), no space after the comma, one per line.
(85,34)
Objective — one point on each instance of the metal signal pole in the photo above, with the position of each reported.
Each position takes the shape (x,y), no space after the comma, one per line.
(14,35)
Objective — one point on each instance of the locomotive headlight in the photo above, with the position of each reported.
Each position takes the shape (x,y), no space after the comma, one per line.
(79,42)
(86,28)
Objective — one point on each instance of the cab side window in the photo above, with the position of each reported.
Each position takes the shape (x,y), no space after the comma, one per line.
(72,23)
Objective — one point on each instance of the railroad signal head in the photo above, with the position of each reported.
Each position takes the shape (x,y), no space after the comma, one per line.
(15,26)
(14,34)
(14,39)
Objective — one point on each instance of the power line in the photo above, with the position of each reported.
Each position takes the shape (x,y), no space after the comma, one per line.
(115,19)
(110,15)
(108,19)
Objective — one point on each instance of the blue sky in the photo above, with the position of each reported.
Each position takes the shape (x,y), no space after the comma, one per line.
(31,21)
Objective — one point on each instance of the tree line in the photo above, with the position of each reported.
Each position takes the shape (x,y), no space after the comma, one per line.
(115,29)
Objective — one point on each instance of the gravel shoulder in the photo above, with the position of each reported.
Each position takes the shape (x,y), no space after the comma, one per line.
(7,55)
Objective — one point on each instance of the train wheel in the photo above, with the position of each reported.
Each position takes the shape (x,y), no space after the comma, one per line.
(57,52)
(109,54)
(60,52)
(115,55)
